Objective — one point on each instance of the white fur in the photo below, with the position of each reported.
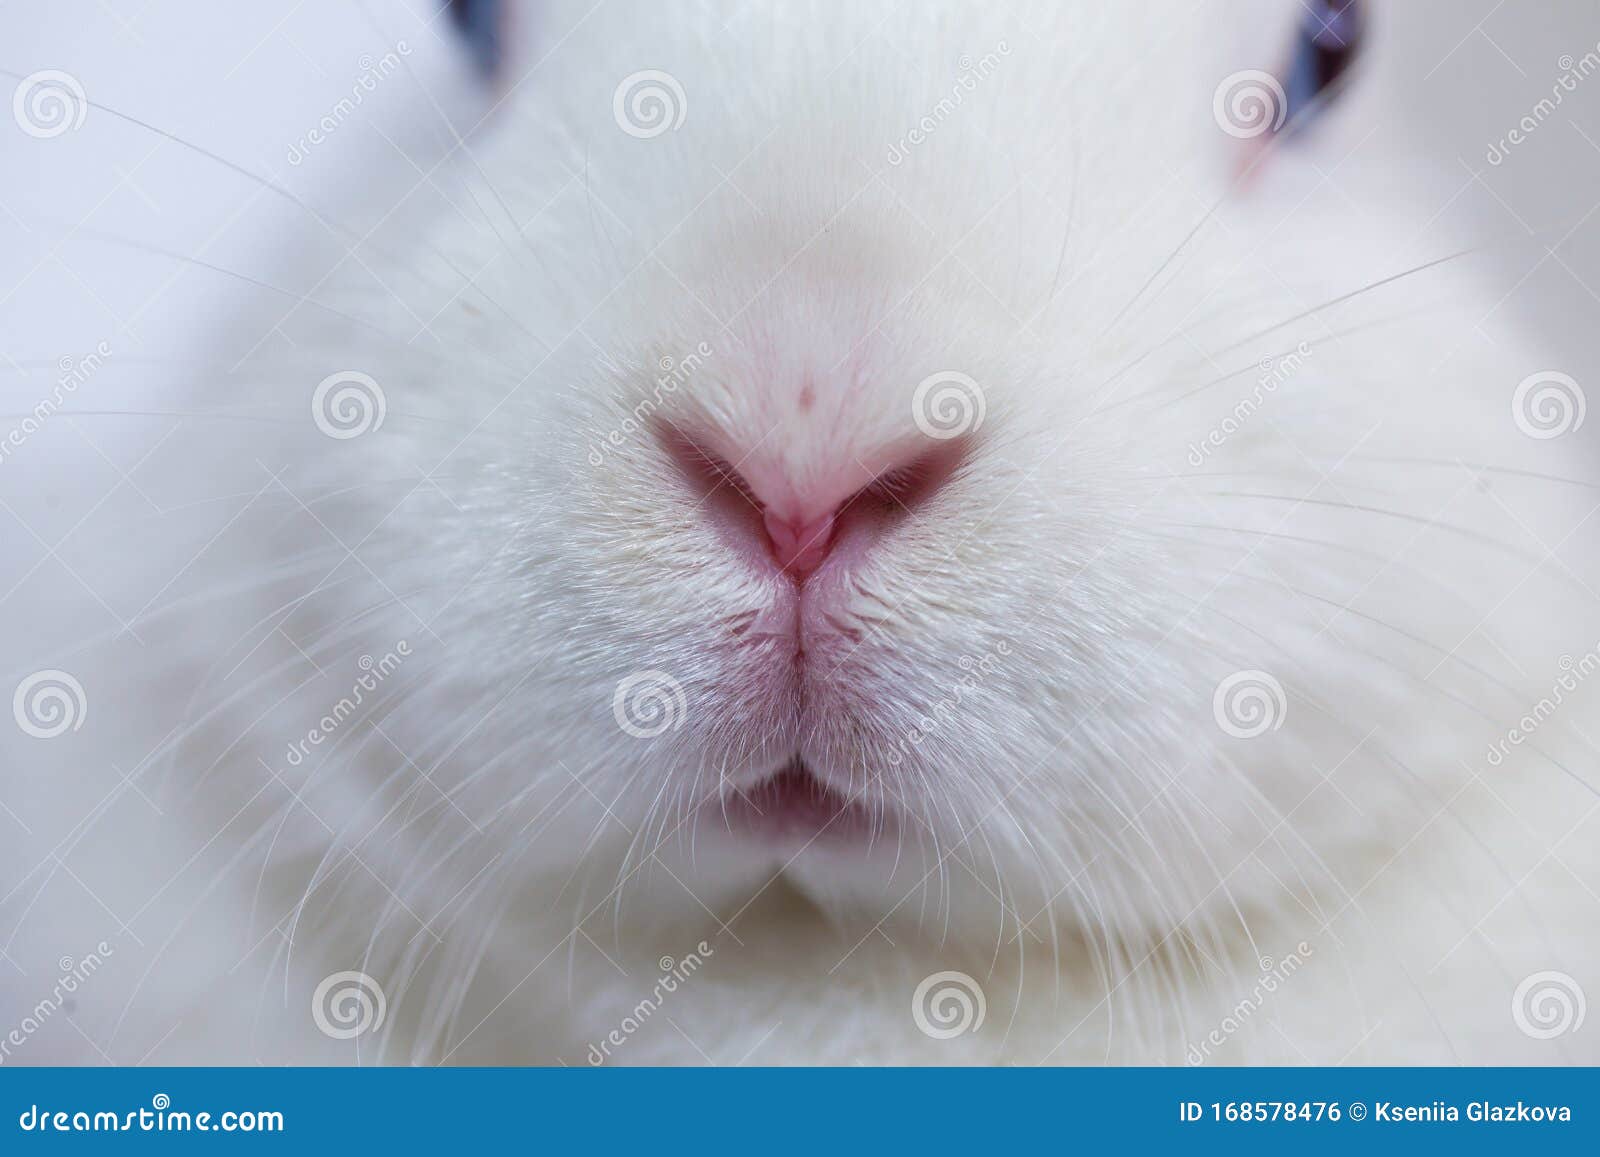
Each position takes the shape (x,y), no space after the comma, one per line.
(1078,834)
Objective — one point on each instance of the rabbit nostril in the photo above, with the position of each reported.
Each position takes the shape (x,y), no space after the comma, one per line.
(798,547)
(776,507)
(706,470)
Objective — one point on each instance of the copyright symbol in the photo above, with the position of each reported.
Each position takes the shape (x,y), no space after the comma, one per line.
(1358,1111)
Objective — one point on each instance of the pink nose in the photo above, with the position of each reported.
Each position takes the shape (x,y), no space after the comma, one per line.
(798,547)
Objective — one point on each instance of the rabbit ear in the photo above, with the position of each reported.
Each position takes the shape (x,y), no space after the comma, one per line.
(1327,42)
(481,24)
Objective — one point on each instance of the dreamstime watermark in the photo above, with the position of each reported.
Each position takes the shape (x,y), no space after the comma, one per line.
(649,103)
(1548,404)
(1248,103)
(1273,974)
(945,709)
(947,1004)
(366,83)
(966,82)
(947,405)
(73,975)
(375,671)
(49,703)
(673,973)
(160,1117)
(348,404)
(1249,703)
(73,372)
(674,373)
(1548,1004)
(48,103)
(1274,373)
(347,1004)
(649,703)
(1573,673)
(1572,72)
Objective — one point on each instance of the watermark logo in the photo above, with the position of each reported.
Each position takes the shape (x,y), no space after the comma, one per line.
(1548,404)
(49,103)
(49,703)
(160,1117)
(73,372)
(649,703)
(72,975)
(348,1004)
(948,1004)
(947,405)
(1573,71)
(373,673)
(673,974)
(348,404)
(366,83)
(1547,1005)
(1274,373)
(1249,103)
(975,672)
(966,82)
(1273,974)
(1249,703)
(649,103)
(1573,673)
(674,373)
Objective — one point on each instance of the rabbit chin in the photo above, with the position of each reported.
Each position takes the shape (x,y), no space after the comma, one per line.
(887,882)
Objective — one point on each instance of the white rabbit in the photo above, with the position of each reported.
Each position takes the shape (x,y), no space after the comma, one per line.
(872,533)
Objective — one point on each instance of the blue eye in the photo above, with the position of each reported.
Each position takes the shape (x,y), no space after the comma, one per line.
(1326,44)
(478,21)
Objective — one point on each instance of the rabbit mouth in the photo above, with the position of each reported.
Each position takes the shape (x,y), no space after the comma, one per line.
(794,802)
